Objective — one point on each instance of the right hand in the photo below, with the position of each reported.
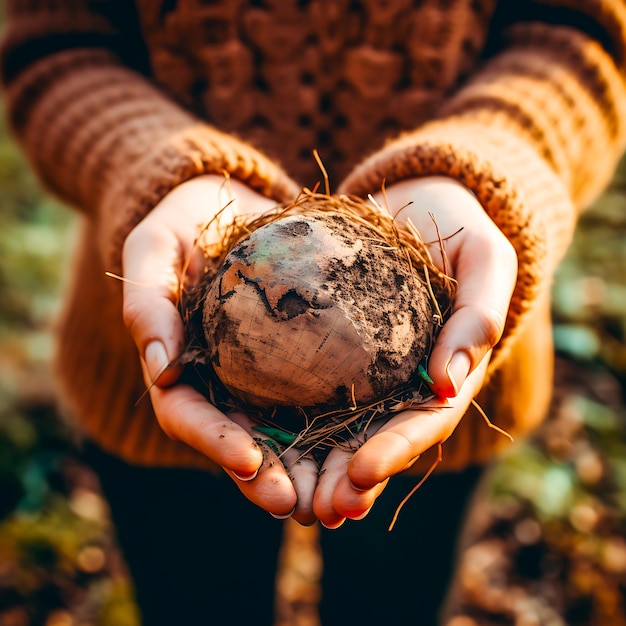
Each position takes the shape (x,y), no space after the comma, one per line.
(154,254)
(484,264)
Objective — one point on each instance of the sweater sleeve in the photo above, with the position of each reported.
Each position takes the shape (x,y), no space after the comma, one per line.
(536,133)
(98,133)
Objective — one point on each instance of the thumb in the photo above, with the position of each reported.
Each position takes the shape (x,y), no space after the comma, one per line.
(151,285)
(486,278)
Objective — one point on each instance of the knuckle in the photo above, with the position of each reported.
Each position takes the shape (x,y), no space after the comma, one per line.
(441,427)
(166,427)
(502,250)
(132,241)
(491,325)
(406,444)
(507,254)
(131,314)
(498,248)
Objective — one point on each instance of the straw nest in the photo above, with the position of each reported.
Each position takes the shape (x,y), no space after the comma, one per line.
(263,329)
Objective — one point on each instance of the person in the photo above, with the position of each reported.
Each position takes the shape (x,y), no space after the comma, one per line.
(502,120)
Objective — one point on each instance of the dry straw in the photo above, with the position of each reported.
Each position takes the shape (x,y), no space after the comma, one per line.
(319,428)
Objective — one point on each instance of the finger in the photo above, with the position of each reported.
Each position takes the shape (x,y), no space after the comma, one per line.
(271,488)
(486,276)
(352,502)
(334,468)
(336,498)
(408,435)
(151,260)
(294,475)
(304,472)
(185,415)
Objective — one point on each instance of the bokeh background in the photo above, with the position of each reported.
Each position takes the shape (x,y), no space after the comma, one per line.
(547,544)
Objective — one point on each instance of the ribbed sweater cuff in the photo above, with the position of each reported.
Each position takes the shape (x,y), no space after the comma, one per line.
(515,186)
(196,150)
(106,140)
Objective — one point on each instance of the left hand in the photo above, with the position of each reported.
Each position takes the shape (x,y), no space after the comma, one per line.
(484,264)
(154,255)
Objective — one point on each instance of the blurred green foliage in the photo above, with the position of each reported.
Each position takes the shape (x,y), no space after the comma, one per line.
(557,502)
(57,557)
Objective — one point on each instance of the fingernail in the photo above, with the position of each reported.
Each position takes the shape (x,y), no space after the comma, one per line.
(246,477)
(362,515)
(458,369)
(156,359)
(276,516)
(335,526)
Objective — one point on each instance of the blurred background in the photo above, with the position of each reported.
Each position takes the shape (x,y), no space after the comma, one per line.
(548,540)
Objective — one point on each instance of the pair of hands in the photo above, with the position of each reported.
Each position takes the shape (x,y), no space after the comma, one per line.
(479,257)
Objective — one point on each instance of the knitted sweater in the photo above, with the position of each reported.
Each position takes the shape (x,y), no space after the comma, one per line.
(116,103)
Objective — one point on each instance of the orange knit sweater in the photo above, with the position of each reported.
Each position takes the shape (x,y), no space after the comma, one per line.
(115,103)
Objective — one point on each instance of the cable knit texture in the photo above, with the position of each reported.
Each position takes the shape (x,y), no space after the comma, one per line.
(115,104)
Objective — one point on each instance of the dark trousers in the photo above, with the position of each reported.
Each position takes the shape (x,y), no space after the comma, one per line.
(200,553)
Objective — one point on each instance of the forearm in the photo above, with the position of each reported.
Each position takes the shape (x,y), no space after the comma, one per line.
(99,133)
(535,135)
